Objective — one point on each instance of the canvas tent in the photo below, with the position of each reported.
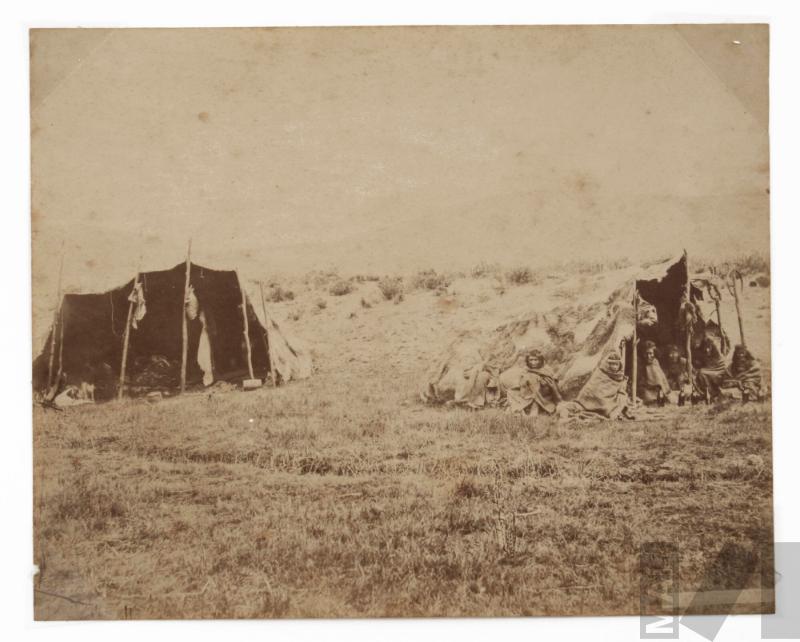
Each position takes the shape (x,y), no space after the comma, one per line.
(574,336)
(86,342)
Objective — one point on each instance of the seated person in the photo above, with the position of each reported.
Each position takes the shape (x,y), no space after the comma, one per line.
(605,393)
(712,371)
(746,372)
(675,368)
(479,388)
(677,373)
(529,385)
(653,385)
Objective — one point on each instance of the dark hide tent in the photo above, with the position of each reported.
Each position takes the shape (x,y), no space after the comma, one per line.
(90,330)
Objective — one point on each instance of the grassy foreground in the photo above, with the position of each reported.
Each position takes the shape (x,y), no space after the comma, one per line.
(336,497)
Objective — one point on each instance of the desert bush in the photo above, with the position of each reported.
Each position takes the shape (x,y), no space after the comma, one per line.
(521,276)
(746,264)
(752,264)
(484,269)
(365,304)
(429,280)
(322,304)
(277,294)
(321,279)
(341,287)
(596,267)
(391,287)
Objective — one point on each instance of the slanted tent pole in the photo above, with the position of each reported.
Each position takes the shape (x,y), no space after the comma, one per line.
(634,341)
(185,327)
(56,317)
(60,346)
(126,338)
(268,348)
(246,329)
(53,331)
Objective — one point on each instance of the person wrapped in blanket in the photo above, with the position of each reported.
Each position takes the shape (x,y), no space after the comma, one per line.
(603,395)
(746,374)
(677,372)
(712,371)
(653,386)
(530,386)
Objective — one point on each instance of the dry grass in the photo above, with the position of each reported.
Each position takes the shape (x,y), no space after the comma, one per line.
(312,501)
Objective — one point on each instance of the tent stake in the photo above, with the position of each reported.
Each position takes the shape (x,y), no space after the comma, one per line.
(266,340)
(184,327)
(56,317)
(634,341)
(124,365)
(246,328)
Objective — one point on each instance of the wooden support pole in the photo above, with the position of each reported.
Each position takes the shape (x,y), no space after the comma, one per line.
(56,317)
(126,338)
(246,329)
(184,326)
(734,276)
(690,324)
(634,341)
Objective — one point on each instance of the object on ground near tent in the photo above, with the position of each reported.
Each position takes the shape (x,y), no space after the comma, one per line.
(156,372)
(73,396)
(251,384)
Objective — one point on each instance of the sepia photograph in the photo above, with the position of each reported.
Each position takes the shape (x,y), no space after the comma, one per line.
(422,321)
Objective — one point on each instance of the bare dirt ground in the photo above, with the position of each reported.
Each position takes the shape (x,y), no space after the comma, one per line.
(344,496)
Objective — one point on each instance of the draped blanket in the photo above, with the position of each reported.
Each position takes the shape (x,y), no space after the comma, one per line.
(605,392)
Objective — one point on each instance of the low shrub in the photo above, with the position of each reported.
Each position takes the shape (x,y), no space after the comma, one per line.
(391,287)
(341,287)
(277,294)
(484,269)
(429,280)
(521,276)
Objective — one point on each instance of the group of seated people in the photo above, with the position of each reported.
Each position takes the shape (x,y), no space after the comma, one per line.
(667,380)
(530,387)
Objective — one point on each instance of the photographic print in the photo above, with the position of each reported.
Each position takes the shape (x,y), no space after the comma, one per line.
(401,321)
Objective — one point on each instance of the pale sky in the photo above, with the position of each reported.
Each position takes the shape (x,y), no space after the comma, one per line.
(284,150)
